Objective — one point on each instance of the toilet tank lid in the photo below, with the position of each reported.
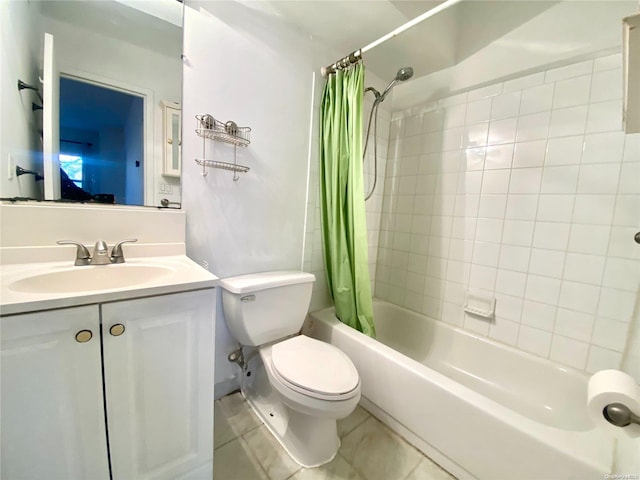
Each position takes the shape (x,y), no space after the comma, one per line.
(254,282)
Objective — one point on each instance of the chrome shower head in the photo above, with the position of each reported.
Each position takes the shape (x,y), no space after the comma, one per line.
(405,73)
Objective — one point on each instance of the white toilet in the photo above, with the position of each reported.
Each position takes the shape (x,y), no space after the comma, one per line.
(297,385)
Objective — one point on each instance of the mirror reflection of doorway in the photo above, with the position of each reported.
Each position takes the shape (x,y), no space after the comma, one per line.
(101,140)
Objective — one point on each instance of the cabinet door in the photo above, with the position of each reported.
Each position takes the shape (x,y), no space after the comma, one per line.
(158,360)
(52,408)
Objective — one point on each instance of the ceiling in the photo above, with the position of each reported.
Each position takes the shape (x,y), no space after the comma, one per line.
(439,42)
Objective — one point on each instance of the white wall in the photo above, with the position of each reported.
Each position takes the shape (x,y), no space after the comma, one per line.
(19,138)
(247,67)
(120,63)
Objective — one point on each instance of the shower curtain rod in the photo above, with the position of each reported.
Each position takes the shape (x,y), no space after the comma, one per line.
(356,56)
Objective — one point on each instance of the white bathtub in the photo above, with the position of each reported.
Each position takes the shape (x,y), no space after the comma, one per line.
(479,408)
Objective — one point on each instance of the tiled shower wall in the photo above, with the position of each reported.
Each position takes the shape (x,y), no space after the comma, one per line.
(527,191)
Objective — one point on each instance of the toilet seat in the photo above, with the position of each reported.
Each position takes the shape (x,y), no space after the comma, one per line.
(314,368)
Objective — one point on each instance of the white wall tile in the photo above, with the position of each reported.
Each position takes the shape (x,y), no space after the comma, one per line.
(603,359)
(511,283)
(572,92)
(495,181)
(521,207)
(549,263)
(508,307)
(593,239)
(475,135)
(629,178)
(599,178)
(572,324)
(561,179)
(603,147)
(498,156)
(584,268)
(453,117)
(568,121)
(551,235)
(607,63)
(413,125)
(533,127)
(538,315)
(518,232)
(616,304)
(478,111)
(505,331)
(622,244)
(594,209)
(579,296)
(604,117)
(485,253)
(610,334)
(514,258)
(505,105)
(452,138)
(525,180)
(530,154)
(536,99)
(569,352)
(492,206)
(627,208)
(555,208)
(565,150)
(502,131)
(534,341)
(606,85)
(542,289)
(622,274)
(489,230)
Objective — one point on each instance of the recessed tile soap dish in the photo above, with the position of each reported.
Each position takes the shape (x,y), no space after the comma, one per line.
(480,306)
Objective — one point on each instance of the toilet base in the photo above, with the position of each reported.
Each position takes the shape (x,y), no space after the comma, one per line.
(309,441)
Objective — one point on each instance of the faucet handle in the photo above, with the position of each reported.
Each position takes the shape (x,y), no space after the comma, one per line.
(82,254)
(117,256)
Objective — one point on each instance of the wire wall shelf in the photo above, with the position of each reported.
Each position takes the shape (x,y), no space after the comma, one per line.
(229,132)
(211,129)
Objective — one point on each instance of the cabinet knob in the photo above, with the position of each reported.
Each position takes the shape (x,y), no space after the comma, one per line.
(170,141)
(116,330)
(83,336)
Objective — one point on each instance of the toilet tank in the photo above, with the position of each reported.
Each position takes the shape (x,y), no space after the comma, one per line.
(263,307)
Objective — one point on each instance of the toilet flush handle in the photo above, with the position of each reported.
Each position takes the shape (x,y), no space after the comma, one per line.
(248,298)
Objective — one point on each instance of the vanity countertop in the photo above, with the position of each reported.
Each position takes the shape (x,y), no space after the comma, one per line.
(30,287)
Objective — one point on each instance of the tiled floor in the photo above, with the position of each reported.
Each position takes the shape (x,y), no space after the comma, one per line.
(246,450)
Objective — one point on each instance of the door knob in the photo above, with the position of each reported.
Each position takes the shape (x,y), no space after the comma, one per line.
(83,336)
(116,330)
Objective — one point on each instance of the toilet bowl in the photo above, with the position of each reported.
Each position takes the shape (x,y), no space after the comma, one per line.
(297,385)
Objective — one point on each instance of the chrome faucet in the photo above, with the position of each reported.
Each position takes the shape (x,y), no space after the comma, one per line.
(100,252)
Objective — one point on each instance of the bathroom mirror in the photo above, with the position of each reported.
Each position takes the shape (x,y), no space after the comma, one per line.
(119,66)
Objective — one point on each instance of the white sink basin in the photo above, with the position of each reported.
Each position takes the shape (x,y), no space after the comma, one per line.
(90,278)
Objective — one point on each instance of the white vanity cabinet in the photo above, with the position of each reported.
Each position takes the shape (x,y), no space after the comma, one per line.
(159,385)
(51,396)
(143,385)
